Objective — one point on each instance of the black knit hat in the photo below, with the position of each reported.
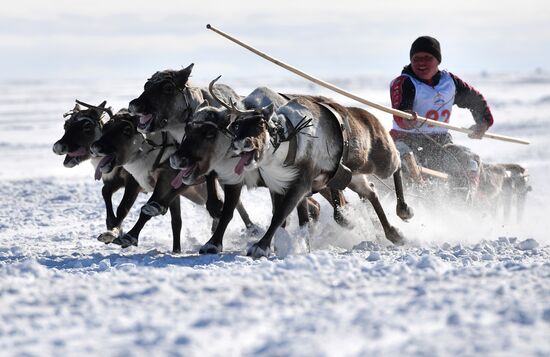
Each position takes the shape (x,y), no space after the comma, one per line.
(426,44)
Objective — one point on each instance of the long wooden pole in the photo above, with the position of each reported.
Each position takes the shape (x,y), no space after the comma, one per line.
(332,87)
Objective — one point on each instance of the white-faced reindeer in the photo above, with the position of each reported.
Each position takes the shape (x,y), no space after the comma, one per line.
(82,128)
(322,156)
(205,148)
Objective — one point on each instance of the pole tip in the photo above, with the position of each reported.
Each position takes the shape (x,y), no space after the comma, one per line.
(208,26)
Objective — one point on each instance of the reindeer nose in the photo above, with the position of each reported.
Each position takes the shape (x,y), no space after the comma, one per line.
(60,148)
(95,149)
(247,143)
(133,107)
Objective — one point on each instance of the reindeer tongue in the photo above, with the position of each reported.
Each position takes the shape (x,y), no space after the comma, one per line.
(145,119)
(178,180)
(245,158)
(102,162)
(97,175)
(79,152)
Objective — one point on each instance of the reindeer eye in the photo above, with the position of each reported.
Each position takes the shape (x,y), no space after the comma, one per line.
(210,134)
(88,128)
(168,88)
(128,131)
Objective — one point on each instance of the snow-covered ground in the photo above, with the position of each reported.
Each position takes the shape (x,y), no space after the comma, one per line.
(461,286)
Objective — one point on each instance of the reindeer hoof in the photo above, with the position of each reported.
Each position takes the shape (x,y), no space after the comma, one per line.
(256,252)
(153,209)
(341,220)
(314,209)
(125,241)
(404,211)
(394,236)
(109,236)
(210,248)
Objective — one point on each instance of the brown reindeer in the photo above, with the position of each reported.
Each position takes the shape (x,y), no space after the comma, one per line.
(498,187)
(82,128)
(205,148)
(503,187)
(261,139)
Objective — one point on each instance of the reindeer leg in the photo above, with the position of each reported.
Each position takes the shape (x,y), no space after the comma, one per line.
(337,200)
(289,201)
(303,214)
(161,192)
(215,244)
(244,216)
(132,237)
(520,205)
(107,193)
(313,209)
(131,192)
(113,229)
(214,204)
(361,185)
(164,194)
(175,214)
(403,210)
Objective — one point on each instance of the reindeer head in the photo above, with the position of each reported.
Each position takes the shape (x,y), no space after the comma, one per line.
(252,130)
(119,143)
(166,101)
(82,128)
(206,142)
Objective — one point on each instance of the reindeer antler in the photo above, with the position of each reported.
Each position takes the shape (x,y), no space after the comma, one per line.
(211,90)
(103,109)
(230,106)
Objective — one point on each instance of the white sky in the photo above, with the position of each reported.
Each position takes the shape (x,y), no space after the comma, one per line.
(77,39)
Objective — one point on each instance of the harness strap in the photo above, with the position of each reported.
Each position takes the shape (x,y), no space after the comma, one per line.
(161,151)
(344,128)
(342,176)
(292,144)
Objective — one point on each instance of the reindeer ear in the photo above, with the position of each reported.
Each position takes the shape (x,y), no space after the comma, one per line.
(204,104)
(267,111)
(183,75)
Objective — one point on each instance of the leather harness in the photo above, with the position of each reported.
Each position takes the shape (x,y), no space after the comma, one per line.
(342,176)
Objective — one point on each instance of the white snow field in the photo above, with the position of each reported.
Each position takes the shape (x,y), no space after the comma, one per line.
(463,285)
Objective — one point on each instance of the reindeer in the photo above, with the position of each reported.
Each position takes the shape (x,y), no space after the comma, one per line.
(121,145)
(499,185)
(205,148)
(261,142)
(503,186)
(82,128)
(167,103)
